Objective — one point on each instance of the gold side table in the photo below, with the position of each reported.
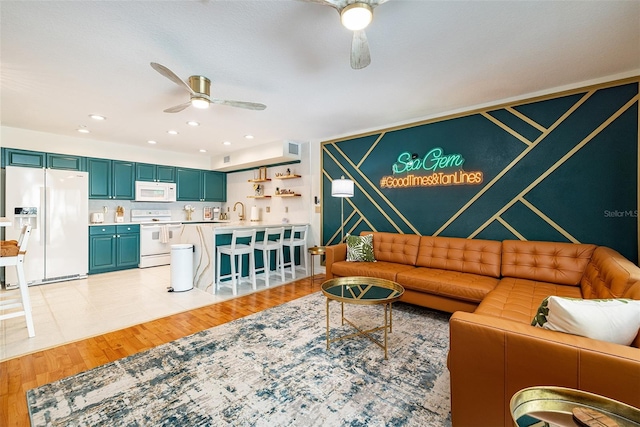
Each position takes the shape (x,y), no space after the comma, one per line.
(313,251)
(554,406)
(363,291)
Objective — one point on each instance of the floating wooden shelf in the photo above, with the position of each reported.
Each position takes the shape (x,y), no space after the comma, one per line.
(260,180)
(288,176)
(258,197)
(287,195)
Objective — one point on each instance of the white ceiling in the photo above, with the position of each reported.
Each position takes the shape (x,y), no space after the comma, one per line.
(63,60)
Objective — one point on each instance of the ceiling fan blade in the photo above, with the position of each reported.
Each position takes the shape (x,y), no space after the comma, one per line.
(240,104)
(336,4)
(171,76)
(177,108)
(360,56)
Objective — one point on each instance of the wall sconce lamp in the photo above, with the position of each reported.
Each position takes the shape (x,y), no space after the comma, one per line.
(342,188)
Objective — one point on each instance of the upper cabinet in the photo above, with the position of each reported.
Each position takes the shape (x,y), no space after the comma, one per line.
(196,185)
(215,186)
(111,179)
(24,158)
(64,161)
(155,173)
(37,159)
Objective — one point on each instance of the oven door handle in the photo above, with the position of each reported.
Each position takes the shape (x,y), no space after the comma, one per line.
(174,225)
(150,226)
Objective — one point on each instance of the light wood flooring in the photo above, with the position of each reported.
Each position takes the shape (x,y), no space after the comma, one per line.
(26,372)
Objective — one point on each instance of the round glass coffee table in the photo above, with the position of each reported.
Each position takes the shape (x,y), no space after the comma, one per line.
(363,291)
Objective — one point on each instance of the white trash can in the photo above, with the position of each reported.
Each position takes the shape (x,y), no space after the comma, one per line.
(181,268)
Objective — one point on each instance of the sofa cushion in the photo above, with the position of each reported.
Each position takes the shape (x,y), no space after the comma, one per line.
(519,299)
(609,275)
(452,284)
(394,247)
(457,254)
(360,248)
(552,262)
(381,269)
(612,320)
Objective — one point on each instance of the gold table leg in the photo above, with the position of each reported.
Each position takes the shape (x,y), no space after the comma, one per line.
(328,341)
(388,326)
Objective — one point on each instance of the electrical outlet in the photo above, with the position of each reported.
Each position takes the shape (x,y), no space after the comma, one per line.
(286,209)
(268,209)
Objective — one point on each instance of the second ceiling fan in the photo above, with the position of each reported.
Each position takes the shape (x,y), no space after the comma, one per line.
(200,89)
(356,16)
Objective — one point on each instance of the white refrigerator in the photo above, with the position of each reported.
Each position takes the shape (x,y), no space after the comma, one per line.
(56,204)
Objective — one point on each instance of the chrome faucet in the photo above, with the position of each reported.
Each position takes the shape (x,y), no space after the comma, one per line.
(242,214)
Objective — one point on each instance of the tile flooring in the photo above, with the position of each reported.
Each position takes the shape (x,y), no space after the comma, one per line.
(69,311)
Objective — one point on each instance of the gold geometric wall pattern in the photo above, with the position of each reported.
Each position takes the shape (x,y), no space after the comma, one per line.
(554,168)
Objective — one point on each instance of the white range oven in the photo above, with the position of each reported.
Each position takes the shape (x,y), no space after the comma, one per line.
(157,234)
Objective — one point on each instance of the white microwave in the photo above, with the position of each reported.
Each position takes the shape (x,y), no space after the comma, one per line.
(155,191)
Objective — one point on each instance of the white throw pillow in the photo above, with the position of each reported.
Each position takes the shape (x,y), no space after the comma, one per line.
(612,320)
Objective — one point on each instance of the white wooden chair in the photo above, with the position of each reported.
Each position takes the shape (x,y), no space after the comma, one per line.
(234,250)
(23,303)
(267,246)
(297,238)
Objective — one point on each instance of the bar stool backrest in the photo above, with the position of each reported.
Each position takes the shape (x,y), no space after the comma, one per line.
(300,231)
(243,234)
(269,232)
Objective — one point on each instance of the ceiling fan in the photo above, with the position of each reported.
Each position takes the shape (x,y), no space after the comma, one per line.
(356,16)
(199,88)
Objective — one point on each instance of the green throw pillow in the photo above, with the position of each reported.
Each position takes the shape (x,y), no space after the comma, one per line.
(360,248)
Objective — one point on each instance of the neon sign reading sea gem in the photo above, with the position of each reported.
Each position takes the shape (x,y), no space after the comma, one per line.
(432,161)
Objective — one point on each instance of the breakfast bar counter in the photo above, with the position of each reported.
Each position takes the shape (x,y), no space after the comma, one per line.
(206,236)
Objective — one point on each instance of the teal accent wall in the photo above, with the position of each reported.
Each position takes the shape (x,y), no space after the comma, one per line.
(561,169)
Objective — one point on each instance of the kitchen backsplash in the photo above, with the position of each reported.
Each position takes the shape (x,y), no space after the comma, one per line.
(177,209)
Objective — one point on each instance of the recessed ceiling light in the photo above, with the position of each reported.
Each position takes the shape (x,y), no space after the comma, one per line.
(97,117)
(152,142)
(193,123)
(226,143)
(249,136)
(203,151)
(83,130)
(172,132)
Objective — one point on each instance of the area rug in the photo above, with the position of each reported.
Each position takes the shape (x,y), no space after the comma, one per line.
(268,369)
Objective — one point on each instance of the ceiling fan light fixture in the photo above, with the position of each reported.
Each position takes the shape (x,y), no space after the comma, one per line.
(356,16)
(199,102)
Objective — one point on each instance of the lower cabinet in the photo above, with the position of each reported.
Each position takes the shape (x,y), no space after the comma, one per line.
(113,247)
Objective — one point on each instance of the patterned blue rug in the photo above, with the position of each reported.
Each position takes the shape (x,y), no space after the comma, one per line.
(268,369)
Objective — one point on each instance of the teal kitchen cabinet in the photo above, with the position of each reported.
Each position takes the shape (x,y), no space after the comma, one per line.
(155,173)
(215,186)
(37,159)
(189,185)
(113,247)
(127,246)
(102,249)
(111,179)
(23,158)
(201,186)
(64,161)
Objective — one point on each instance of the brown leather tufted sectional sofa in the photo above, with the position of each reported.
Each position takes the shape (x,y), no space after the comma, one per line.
(494,289)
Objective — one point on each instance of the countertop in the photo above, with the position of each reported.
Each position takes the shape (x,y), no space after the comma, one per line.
(248,224)
(173,221)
